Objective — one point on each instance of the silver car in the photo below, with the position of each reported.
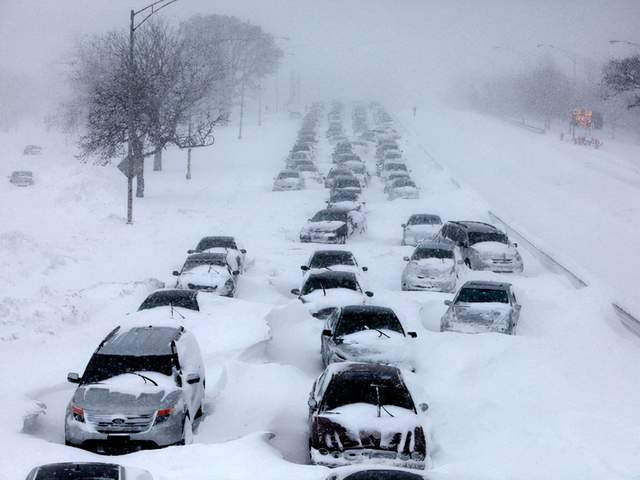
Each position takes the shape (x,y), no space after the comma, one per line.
(142,388)
(420,227)
(431,267)
(483,247)
(482,306)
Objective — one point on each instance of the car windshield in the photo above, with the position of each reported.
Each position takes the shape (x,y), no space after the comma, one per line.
(339,171)
(478,237)
(176,298)
(403,182)
(284,175)
(425,220)
(357,320)
(357,167)
(326,283)
(422,253)
(344,196)
(392,155)
(375,474)
(191,263)
(82,471)
(306,167)
(327,259)
(358,387)
(482,295)
(347,182)
(216,242)
(396,167)
(102,367)
(329,216)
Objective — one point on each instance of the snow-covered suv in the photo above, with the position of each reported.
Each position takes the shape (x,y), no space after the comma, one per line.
(482,246)
(143,388)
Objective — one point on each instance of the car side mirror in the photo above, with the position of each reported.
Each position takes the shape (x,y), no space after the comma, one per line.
(243,250)
(191,251)
(448,302)
(365,269)
(193,378)
(73,377)
(326,333)
(423,407)
(304,268)
(175,273)
(313,404)
(515,244)
(368,294)
(517,306)
(236,272)
(296,291)
(406,259)
(412,334)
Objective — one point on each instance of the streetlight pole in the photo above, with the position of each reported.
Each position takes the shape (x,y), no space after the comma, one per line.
(150,10)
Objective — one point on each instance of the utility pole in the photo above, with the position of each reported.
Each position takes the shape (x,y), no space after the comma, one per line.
(241,108)
(188,176)
(260,104)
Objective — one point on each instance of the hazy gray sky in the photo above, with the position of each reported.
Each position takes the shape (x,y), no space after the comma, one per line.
(401,49)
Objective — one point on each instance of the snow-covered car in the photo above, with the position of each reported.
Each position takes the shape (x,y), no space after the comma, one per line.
(345,200)
(365,333)
(384,147)
(288,180)
(236,253)
(364,413)
(392,177)
(209,272)
(336,172)
(483,247)
(420,227)
(32,150)
(308,171)
(332,226)
(87,471)
(322,292)
(347,183)
(21,178)
(403,188)
(304,147)
(432,267)
(359,170)
(332,260)
(390,167)
(482,306)
(142,388)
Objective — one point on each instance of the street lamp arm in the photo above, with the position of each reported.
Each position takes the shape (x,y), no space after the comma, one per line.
(165,3)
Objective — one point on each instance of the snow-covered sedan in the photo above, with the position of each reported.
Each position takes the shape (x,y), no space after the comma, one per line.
(483,247)
(332,260)
(288,180)
(236,253)
(482,306)
(322,292)
(332,226)
(420,227)
(364,413)
(431,267)
(209,272)
(142,388)
(365,333)
(403,188)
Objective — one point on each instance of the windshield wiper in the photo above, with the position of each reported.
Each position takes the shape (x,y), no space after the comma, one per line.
(144,377)
(366,327)
(380,406)
(176,311)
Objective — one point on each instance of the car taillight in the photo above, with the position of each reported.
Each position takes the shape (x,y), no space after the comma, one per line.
(78,414)
(163,414)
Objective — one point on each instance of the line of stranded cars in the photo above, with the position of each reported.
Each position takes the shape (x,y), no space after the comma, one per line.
(144,385)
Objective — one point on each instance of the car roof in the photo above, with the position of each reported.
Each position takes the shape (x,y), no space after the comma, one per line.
(475,226)
(487,285)
(433,244)
(330,253)
(141,341)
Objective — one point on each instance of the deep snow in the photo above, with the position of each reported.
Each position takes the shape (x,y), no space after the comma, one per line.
(559,400)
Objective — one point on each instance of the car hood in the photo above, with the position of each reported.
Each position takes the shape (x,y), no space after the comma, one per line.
(326,226)
(127,394)
(424,231)
(434,266)
(345,205)
(494,248)
(481,314)
(335,297)
(205,276)
(371,346)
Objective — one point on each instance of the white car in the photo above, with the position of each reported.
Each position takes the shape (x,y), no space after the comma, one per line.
(431,267)
(345,200)
(333,226)
(209,272)
(403,188)
(392,167)
(236,253)
(322,292)
(420,227)
(288,180)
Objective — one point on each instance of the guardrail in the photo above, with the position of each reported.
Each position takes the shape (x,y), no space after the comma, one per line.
(628,320)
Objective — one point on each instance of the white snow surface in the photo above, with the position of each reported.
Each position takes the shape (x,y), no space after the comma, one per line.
(558,400)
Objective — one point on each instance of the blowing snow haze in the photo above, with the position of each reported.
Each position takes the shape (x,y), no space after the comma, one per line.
(319,240)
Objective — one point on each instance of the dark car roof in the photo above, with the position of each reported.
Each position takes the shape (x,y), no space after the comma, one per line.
(333,274)
(487,285)
(332,253)
(77,471)
(475,226)
(369,369)
(141,341)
